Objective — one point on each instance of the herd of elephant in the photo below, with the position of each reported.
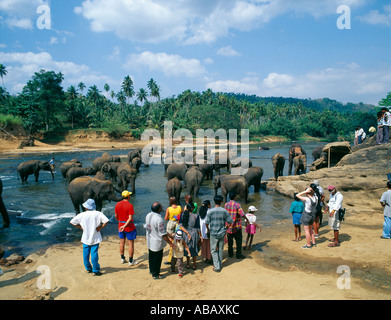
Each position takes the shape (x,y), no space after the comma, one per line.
(100,181)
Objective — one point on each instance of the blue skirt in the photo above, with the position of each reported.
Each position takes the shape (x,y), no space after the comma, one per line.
(296,218)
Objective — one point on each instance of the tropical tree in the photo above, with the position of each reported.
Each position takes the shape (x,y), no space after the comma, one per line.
(81,86)
(127,87)
(107,89)
(45,93)
(142,95)
(154,90)
(3,73)
(71,96)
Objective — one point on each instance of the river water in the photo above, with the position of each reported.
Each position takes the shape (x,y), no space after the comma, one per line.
(40,211)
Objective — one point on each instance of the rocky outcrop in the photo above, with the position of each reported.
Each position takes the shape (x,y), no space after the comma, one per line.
(361,176)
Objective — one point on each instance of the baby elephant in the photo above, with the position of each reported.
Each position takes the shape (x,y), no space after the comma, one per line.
(75,172)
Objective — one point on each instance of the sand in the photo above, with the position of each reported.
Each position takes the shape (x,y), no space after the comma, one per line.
(275,268)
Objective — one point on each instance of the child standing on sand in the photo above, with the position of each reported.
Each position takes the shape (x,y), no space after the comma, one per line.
(297,208)
(251,226)
(179,246)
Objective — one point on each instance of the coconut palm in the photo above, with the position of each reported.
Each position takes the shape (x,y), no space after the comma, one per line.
(71,95)
(127,87)
(142,95)
(3,73)
(153,89)
(81,86)
(107,89)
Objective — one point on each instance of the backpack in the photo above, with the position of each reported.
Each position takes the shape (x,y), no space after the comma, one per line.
(341,214)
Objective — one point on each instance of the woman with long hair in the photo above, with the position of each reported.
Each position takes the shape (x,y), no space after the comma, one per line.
(310,200)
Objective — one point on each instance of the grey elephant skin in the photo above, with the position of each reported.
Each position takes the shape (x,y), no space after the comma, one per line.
(294,150)
(110,169)
(176,170)
(33,167)
(126,176)
(300,164)
(69,164)
(253,178)
(83,188)
(100,161)
(278,161)
(228,183)
(75,172)
(174,188)
(3,210)
(193,180)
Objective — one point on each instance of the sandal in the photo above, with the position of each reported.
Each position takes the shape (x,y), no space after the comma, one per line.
(332,240)
(334,244)
(193,267)
(306,247)
(158,277)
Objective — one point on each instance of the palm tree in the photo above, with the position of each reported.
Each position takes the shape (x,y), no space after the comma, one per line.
(71,97)
(153,89)
(3,73)
(142,95)
(107,89)
(81,86)
(127,87)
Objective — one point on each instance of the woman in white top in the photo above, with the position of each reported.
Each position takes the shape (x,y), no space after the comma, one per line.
(308,217)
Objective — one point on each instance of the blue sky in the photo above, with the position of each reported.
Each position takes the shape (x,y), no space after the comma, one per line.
(267,48)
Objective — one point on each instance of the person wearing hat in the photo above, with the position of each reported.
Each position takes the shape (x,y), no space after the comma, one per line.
(333,207)
(179,247)
(126,229)
(318,216)
(251,226)
(91,222)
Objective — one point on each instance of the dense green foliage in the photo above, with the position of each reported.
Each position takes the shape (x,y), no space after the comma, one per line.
(44,106)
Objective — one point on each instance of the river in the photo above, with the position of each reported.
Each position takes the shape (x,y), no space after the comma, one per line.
(40,211)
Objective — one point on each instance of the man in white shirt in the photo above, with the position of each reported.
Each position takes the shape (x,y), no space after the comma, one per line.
(91,222)
(385,201)
(157,238)
(335,203)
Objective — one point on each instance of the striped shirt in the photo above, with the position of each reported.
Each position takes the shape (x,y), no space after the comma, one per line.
(216,219)
(236,212)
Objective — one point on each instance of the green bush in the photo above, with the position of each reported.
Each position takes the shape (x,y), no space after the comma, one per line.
(8,120)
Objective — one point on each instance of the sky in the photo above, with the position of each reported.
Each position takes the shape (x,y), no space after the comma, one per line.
(337,49)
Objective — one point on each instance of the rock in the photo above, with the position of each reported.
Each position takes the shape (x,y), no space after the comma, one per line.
(2,251)
(3,261)
(29,261)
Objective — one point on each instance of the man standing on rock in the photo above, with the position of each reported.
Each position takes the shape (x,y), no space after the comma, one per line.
(385,201)
(333,207)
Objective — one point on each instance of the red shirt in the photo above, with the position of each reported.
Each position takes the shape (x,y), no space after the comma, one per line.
(124,209)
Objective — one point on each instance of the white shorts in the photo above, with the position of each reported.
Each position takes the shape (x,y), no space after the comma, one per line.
(334,223)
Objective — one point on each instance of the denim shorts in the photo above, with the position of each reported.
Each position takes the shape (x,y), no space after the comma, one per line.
(128,235)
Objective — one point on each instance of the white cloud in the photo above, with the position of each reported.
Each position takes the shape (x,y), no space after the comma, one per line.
(350,83)
(227,52)
(21,66)
(378,18)
(170,65)
(19,13)
(192,22)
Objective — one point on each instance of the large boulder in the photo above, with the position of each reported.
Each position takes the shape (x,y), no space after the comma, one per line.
(331,154)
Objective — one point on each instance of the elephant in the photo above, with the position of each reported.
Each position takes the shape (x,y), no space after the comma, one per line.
(75,172)
(3,209)
(176,170)
(253,178)
(294,150)
(136,163)
(228,183)
(278,161)
(127,175)
(83,188)
(105,157)
(238,162)
(317,152)
(224,159)
(33,167)
(300,163)
(174,188)
(133,154)
(69,164)
(193,180)
(207,170)
(100,176)
(110,169)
